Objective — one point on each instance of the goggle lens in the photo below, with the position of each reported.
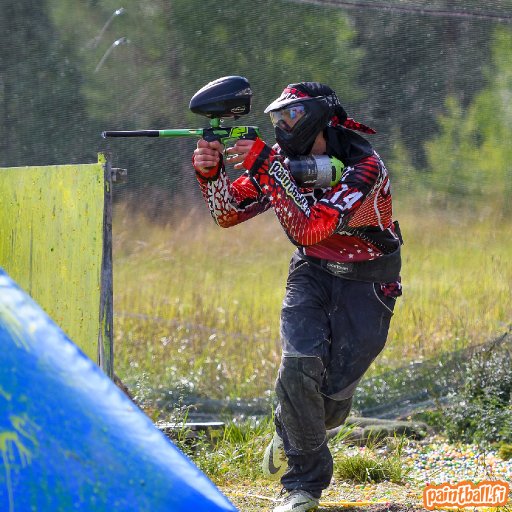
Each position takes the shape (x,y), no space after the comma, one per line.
(286,118)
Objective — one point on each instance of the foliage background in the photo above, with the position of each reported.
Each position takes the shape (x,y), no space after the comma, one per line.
(435,86)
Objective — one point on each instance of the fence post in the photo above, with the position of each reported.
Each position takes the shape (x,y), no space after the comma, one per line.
(106,327)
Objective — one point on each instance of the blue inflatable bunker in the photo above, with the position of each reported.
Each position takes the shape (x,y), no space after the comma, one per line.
(70,439)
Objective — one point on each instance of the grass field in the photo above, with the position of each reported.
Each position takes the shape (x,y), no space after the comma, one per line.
(197,307)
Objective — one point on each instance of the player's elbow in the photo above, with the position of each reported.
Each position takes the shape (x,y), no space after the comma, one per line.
(225,221)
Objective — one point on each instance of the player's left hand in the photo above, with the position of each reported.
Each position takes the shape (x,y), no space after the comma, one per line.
(237,153)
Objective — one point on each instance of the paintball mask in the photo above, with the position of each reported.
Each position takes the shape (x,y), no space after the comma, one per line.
(297,124)
(301,112)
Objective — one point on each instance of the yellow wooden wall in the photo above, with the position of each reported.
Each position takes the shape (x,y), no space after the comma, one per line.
(51,232)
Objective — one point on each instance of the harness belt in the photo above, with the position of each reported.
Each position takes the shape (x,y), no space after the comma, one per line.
(384,269)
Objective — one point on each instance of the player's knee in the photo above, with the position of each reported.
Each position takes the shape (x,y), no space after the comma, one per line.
(300,375)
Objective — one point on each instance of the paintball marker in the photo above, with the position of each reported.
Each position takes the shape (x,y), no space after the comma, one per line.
(229,97)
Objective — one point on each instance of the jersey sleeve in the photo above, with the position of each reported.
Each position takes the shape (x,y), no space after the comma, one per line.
(308,224)
(231,203)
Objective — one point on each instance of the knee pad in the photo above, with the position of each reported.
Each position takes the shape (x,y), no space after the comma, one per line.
(301,373)
(301,405)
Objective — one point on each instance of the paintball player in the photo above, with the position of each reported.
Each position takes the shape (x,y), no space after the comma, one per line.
(343,277)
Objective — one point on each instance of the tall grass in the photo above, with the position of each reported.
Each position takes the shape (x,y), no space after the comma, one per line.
(236,456)
(197,307)
(457,275)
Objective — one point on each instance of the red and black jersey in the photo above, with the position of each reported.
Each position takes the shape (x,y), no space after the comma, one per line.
(351,221)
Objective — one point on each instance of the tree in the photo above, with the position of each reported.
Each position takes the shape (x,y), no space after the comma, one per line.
(412,62)
(41,110)
(472,153)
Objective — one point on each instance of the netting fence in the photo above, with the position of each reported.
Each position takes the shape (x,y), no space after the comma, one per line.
(196,308)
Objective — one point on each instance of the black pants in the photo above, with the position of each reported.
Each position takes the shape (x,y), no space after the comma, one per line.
(331,330)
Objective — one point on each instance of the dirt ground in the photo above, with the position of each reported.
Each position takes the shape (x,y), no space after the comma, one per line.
(385,497)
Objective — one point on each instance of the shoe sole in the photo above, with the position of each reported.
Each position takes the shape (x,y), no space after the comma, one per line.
(269,467)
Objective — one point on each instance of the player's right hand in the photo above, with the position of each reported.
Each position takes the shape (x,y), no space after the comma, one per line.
(207,156)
